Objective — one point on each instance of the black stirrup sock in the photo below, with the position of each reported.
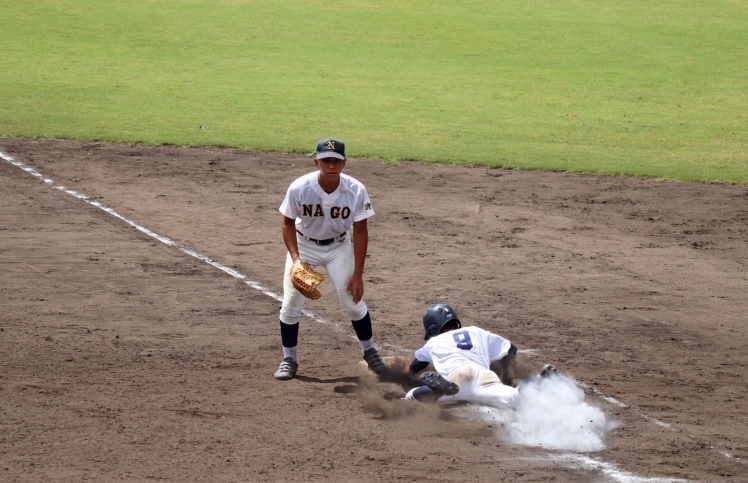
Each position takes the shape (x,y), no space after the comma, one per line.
(289,334)
(363,327)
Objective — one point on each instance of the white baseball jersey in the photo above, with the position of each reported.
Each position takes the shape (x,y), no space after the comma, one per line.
(322,215)
(455,349)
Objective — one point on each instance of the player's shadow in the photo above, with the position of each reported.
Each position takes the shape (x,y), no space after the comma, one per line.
(355,384)
(350,386)
(405,381)
(333,380)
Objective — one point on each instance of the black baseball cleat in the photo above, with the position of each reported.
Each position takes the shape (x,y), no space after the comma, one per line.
(438,384)
(374,361)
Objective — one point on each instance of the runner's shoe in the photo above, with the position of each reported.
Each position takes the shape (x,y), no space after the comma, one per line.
(438,384)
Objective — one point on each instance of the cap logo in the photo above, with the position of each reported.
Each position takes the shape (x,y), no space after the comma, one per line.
(331,145)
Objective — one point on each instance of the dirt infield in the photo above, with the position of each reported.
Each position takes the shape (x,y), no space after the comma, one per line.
(125,358)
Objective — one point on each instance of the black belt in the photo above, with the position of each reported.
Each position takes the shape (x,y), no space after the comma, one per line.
(322,243)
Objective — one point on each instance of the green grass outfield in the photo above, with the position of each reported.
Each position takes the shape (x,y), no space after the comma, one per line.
(638,87)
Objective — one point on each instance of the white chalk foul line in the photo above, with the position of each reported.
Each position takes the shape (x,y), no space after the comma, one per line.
(576,460)
(662,424)
(257,286)
(165,240)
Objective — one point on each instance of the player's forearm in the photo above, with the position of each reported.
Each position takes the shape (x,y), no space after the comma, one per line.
(417,366)
(360,247)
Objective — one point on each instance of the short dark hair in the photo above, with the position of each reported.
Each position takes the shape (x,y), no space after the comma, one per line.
(453,324)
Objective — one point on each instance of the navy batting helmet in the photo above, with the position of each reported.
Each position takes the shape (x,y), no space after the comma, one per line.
(436,317)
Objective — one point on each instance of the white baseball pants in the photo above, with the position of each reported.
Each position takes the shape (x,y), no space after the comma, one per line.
(482,386)
(337,259)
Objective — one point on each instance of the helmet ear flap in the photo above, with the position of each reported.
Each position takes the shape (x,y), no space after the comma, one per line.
(429,332)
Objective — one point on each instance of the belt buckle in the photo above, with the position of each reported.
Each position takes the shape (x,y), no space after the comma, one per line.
(323,243)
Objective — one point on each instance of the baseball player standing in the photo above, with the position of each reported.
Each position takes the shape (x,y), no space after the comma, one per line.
(324,224)
(462,359)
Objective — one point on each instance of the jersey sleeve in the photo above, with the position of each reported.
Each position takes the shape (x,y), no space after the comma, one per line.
(290,206)
(423,354)
(363,208)
(498,347)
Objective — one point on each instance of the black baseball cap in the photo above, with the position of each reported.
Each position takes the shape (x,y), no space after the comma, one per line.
(330,148)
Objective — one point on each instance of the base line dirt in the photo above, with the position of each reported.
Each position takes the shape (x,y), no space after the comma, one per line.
(125,359)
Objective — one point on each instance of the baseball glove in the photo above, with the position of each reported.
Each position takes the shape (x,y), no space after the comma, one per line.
(306,279)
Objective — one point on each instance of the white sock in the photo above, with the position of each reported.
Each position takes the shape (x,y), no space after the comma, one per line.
(367,344)
(290,352)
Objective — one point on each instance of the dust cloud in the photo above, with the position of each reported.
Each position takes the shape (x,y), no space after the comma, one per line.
(553,414)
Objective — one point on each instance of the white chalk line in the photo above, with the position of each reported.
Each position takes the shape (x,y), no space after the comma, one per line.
(167,241)
(581,461)
(662,424)
(314,316)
